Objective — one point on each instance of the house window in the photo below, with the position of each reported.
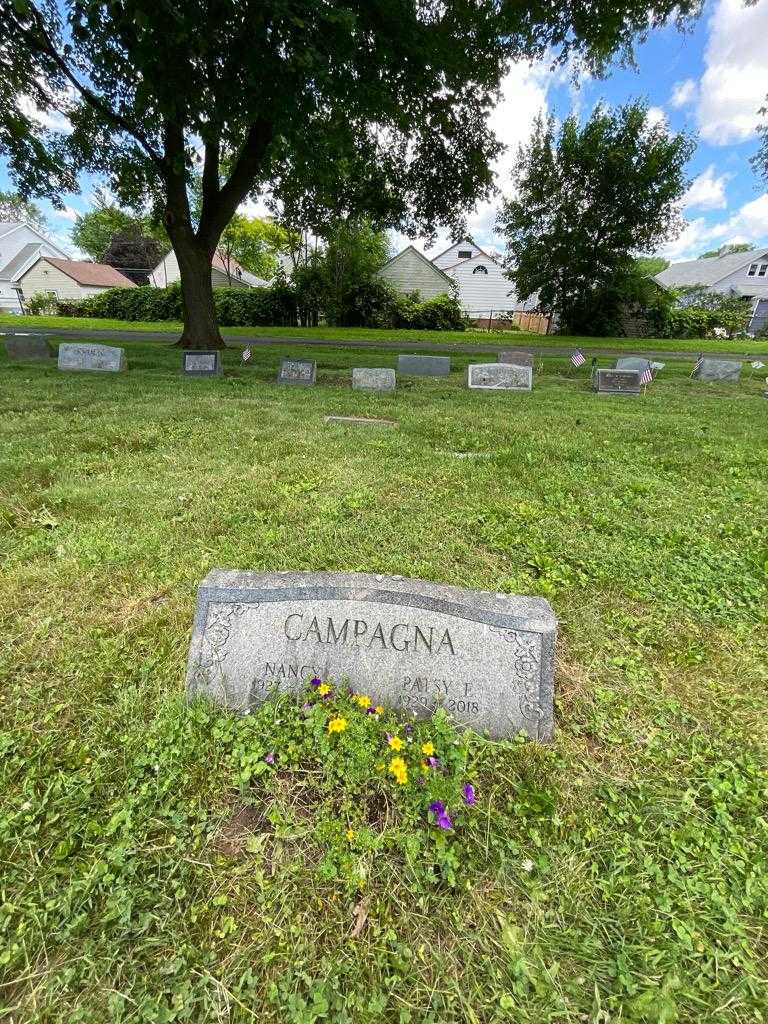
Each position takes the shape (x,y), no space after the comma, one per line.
(480,270)
(752,270)
(465,254)
(762,270)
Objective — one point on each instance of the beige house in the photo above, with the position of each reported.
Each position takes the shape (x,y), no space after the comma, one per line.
(409,271)
(70,279)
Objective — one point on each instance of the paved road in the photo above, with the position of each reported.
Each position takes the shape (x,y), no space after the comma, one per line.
(363,343)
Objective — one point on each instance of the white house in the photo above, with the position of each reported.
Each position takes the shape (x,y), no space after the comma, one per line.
(69,279)
(167,272)
(744,273)
(21,245)
(410,271)
(481,285)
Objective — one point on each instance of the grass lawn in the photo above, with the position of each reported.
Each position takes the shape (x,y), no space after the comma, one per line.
(511,338)
(618,875)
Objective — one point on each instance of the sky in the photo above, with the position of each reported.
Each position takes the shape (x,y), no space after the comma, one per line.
(710,81)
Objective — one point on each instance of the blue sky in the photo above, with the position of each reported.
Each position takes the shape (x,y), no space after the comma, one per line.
(711,81)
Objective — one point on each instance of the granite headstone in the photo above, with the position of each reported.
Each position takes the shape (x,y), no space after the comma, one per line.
(487,658)
(366,378)
(517,357)
(499,377)
(82,356)
(301,372)
(202,363)
(616,382)
(424,366)
(726,371)
(30,346)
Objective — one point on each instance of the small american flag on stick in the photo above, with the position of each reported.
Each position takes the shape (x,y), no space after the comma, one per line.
(578,358)
(647,375)
(246,354)
(697,367)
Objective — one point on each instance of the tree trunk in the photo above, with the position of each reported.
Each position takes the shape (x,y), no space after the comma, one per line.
(201,330)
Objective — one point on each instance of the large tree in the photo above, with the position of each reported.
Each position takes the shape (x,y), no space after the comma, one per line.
(587,198)
(94,230)
(395,91)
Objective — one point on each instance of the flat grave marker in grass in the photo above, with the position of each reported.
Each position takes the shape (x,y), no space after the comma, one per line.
(359,421)
(20,347)
(423,366)
(516,357)
(299,372)
(100,358)
(487,658)
(638,363)
(616,382)
(365,378)
(726,371)
(201,363)
(499,377)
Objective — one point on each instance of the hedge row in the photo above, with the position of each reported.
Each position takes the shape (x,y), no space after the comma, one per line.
(235,307)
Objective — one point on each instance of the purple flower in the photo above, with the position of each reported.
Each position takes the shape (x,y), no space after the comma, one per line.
(327,696)
(468,791)
(433,762)
(370,711)
(315,681)
(270,758)
(306,707)
(407,729)
(442,819)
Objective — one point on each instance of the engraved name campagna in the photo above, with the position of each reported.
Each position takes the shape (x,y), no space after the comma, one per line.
(486,658)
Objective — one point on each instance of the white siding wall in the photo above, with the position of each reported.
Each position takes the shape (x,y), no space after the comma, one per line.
(167,273)
(409,272)
(11,244)
(9,302)
(479,292)
(757,286)
(451,256)
(43,277)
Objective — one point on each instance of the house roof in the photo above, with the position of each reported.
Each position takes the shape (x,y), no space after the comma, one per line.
(7,227)
(480,255)
(422,257)
(13,268)
(95,275)
(465,241)
(708,271)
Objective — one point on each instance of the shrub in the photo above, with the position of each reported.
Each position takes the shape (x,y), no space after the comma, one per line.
(41,303)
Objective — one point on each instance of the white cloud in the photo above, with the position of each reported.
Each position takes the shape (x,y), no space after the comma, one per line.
(52,118)
(734,84)
(748,224)
(683,93)
(67,213)
(655,116)
(707,191)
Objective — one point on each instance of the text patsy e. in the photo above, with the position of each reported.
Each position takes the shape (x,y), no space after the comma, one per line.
(403,637)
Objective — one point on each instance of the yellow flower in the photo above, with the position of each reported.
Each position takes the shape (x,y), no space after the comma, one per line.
(323,688)
(337,725)
(428,749)
(399,769)
(396,743)
(363,700)
(351,834)
(379,709)
(424,766)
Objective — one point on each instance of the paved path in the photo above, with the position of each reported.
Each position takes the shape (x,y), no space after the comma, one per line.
(477,347)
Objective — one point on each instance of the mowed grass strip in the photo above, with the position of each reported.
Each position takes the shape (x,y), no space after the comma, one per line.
(507,338)
(618,875)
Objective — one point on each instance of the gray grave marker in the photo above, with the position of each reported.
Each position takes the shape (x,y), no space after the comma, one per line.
(499,377)
(367,379)
(616,382)
(424,366)
(101,358)
(301,372)
(487,658)
(726,371)
(516,357)
(22,347)
(202,363)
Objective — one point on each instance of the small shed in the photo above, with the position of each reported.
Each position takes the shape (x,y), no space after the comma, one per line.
(410,271)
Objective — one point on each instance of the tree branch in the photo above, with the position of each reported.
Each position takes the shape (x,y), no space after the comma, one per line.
(90,97)
(219,210)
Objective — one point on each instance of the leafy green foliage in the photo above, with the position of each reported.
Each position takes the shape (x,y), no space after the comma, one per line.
(727,250)
(649,266)
(94,230)
(586,198)
(377,108)
(253,243)
(701,310)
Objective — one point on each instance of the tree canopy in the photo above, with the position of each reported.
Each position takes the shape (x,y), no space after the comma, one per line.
(94,230)
(15,208)
(587,198)
(727,250)
(379,106)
